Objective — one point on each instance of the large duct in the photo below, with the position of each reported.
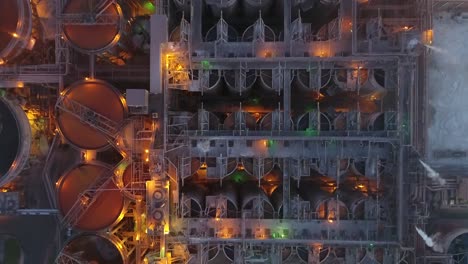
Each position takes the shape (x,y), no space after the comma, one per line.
(355,201)
(239,81)
(295,201)
(253,7)
(255,202)
(193,201)
(322,203)
(15,140)
(85,119)
(272,80)
(94,248)
(370,82)
(220,254)
(15,28)
(96,32)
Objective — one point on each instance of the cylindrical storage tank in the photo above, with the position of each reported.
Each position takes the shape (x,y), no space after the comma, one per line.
(250,33)
(210,81)
(228,7)
(253,197)
(373,88)
(376,122)
(355,202)
(212,34)
(90,97)
(347,79)
(324,204)
(276,198)
(267,77)
(93,34)
(310,122)
(193,200)
(253,7)
(240,121)
(105,211)
(184,6)
(274,121)
(228,191)
(243,165)
(15,28)
(233,80)
(134,137)
(204,120)
(95,248)
(313,80)
(133,184)
(15,140)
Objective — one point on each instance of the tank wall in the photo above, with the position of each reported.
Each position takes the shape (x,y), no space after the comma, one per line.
(24,148)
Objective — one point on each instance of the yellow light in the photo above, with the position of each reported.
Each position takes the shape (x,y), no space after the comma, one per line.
(57,183)
(4,190)
(360,186)
(330,220)
(217,219)
(147,159)
(86,79)
(15,35)
(146,150)
(2,61)
(137,237)
(203,166)
(20,84)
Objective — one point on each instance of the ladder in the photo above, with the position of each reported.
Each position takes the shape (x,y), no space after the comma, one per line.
(86,199)
(88,116)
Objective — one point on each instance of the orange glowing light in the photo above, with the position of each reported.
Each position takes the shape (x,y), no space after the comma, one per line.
(360,186)
(203,166)
(2,61)
(147,160)
(86,79)
(146,150)
(15,35)
(217,219)
(330,220)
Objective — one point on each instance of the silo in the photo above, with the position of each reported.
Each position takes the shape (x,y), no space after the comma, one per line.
(193,201)
(88,198)
(92,26)
(239,81)
(89,113)
(227,7)
(15,28)
(94,248)
(15,140)
(240,121)
(255,202)
(253,7)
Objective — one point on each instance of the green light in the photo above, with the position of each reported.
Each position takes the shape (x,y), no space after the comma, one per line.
(148,6)
(239,177)
(310,132)
(2,92)
(206,65)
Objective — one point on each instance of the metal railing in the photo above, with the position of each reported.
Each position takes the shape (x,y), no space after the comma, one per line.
(89,116)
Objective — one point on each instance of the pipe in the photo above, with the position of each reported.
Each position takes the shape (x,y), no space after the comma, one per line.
(199,240)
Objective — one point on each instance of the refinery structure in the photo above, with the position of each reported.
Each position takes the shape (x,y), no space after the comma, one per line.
(233,131)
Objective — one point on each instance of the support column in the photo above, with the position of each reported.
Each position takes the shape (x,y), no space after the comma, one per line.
(196,23)
(159,36)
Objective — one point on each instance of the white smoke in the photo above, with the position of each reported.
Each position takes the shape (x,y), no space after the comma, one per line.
(434,175)
(431,241)
(203,145)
